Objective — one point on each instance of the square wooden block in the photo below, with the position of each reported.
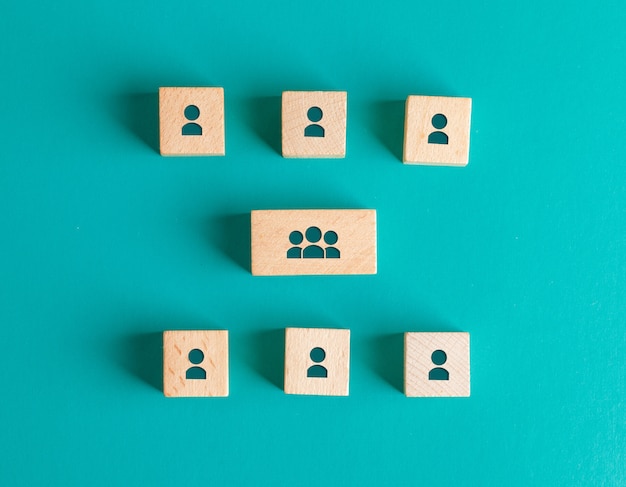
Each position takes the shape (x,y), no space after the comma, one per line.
(191,121)
(195,363)
(317,361)
(437,364)
(314,123)
(297,242)
(437,130)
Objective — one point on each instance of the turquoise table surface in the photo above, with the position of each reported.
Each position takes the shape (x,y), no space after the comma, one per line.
(105,243)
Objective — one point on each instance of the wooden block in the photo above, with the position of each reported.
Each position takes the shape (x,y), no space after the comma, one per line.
(195,363)
(437,364)
(314,123)
(317,361)
(296,242)
(191,121)
(437,130)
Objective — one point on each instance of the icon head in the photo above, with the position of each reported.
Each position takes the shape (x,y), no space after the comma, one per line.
(314,114)
(318,355)
(196,356)
(439,121)
(439,357)
(313,234)
(192,112)
(330,237)
(295,237)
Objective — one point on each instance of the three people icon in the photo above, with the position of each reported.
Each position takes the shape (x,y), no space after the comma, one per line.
(439,121)
(314,114)
(438,357)
(196,356)
(192,112)
(317,355)
(313,250)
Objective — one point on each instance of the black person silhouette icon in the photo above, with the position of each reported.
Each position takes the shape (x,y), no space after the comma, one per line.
(313,235)
(439,121)
(192,112)
(331,238)
(196,356)
(317,355)
(438,357)
(295,238)
(314,114)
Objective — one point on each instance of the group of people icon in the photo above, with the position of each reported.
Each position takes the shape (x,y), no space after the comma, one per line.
(315,114)
(317,355)
(312,250)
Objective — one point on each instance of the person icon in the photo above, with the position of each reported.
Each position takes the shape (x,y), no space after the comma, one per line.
(317,355)
(314,130)
(295,238)
(439,121)
(313,235)
(331,238)
(196,356)
(438,357)
(192,112)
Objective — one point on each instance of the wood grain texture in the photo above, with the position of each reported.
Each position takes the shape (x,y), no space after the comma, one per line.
(295,120)
(418,126)
(172,104)
(270,241)
(176,362)
(418,364)
(299,342)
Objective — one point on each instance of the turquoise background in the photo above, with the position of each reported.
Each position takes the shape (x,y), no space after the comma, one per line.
(105,243)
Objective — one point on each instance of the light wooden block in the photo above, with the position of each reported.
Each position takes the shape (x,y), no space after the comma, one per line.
(314,123)
(195,363)
(428,372)
(311,371)
(431,139)
(297,242)
(185,131)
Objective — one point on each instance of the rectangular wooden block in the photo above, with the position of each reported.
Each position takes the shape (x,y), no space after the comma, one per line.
(191,121)
(317,361)
(314,123)
(437,364)
(296,242)
(437,130)
(195,363)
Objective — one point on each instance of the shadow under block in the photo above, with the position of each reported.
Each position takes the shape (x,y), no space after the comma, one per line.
(307,242)
(191,121)
(317,361)
(437,130)
(437,364)
(314,123)
(195,363)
